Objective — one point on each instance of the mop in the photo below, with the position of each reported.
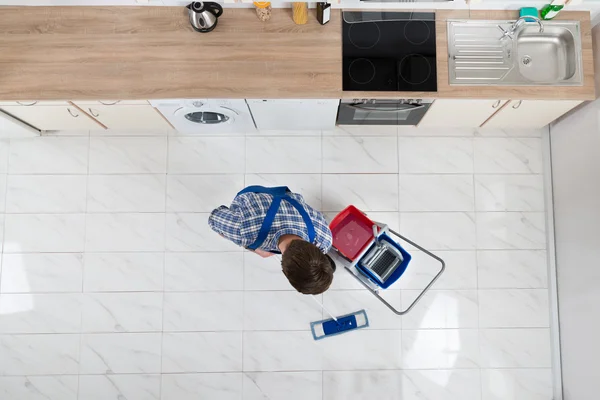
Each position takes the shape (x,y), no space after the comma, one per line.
(336,326)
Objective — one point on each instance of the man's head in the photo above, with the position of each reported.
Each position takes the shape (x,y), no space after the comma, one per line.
(307,268)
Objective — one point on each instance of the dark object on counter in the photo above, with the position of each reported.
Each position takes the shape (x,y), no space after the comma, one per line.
(204,15)
(323,12)
(389,51)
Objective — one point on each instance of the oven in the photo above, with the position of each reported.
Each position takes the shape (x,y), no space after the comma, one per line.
(382,112)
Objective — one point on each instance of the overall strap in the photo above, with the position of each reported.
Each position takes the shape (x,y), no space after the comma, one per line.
(307,221)
(279,193)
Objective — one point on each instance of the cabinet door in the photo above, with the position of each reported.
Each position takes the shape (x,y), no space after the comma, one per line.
(53,118)
(127,116)
(530,113)
(454,113)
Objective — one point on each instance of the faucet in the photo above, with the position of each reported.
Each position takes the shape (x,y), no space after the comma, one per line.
(517,24)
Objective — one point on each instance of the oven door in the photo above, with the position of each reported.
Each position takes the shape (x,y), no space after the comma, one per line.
(382,112)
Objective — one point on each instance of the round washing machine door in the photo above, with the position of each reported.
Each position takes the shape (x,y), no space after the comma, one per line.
(206,117)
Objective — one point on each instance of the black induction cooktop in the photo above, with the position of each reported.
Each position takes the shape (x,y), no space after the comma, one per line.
(389,51)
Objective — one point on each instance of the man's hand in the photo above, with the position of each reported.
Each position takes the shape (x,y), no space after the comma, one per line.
(263,254)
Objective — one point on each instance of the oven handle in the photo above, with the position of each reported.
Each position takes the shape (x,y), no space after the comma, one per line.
(408,107)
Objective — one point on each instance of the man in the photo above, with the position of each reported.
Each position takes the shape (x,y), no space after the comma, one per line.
(274,220)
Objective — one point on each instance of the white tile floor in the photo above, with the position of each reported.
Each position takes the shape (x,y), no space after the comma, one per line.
(113,287)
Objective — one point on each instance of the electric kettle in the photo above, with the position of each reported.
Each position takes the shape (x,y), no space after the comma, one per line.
(204,15)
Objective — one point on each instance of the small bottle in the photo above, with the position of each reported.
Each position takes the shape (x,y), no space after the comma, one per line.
(263,10)
(551,10)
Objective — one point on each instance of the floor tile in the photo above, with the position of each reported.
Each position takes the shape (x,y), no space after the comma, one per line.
(128,155)
(58,387)
(369,349)
(264,273)
(4,154)
(203,311)
(51,233)
(515,230)
(514,308)
(44,272)
(460,272)
(39,354)
(114,386)
(432,155)
(204,271)
(309,185)
(125,232)
(217,386)
(190,232)
(515,348)
(441,309)
(281,351)
(446,384)
(60,194)
(279,311)
(509,193)
(358,130)
(3,188)
(526,269)
(436,192)
(508,155)
(341,302)
(440,349)
(360,385)
(221,352)
(282,385)
(521,133)
(440,231)
(206,155)
(48,155)
(107,353)
(283,155)
(40,313)
(517,384)
(201,193)
(123,272)
(343,155)
(122,312)
(369,192)
(126,193)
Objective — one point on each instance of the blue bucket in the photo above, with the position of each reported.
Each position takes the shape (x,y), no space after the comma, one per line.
(397,273)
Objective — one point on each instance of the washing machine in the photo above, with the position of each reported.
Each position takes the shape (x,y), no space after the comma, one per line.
(207,116)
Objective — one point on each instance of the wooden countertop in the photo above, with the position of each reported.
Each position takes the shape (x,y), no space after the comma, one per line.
(80,53)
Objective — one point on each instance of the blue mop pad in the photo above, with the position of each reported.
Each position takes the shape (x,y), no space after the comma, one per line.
(345,323)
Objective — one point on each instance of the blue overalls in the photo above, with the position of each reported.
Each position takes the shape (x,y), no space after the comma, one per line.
(279,193)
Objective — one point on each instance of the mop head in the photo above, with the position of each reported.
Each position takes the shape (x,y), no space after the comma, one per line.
(345,323)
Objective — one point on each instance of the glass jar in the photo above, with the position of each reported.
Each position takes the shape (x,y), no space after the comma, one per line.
(263,10)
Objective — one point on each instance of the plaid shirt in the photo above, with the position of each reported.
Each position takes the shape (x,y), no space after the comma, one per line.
(241,222)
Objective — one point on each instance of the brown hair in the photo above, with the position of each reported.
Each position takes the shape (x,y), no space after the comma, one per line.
(307,268)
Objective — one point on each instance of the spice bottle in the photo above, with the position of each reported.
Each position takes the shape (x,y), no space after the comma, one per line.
(263,10)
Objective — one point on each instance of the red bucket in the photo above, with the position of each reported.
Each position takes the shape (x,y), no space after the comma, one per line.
(352,232)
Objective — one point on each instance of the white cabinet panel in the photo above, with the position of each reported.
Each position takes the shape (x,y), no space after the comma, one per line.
(124,116)
(458,113)
(530,113)
(288,114)
(53,118)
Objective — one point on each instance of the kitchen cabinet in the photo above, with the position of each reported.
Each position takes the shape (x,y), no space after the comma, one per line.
(455,113)
(52,117)
(294,114)
(125,115)
(529,113)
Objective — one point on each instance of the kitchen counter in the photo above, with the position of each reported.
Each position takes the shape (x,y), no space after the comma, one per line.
(77,53)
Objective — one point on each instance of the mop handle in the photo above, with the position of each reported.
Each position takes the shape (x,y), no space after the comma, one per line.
(315,299)
(324,308)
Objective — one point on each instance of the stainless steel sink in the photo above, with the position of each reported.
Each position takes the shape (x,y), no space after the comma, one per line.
(478,55)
